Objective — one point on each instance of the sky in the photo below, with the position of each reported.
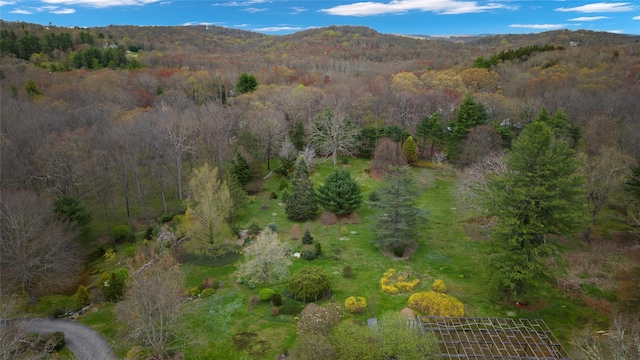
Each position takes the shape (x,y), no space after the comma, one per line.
(278,17)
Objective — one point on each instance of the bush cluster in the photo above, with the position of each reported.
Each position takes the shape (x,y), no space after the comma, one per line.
(431,303)
(393,283)
(355,304)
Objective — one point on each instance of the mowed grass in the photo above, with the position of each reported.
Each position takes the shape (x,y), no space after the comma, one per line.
(445,252)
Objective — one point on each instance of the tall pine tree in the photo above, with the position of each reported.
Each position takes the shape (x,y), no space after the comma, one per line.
(302,204)
(540,195)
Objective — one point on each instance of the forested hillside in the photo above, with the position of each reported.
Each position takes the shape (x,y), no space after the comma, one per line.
(109,133)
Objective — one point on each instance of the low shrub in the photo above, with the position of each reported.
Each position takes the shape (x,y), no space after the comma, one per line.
(347,271)
(439,286)
(291,308)
(308,254)
(115,287)
(83,297)
(122,233)
(392,283)
(207,292)
(274,311)
(355,304)
(48,342)
(318,248)
(273,226)
(276,300)
(374,196)
(253,302)
(431,303)
(307,239)
(266,294)
(208,283)
(254,229)
(194,292)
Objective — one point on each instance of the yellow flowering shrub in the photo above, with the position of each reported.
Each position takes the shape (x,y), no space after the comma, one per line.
(431,303)
(439,286)
(393,283)
(355,304)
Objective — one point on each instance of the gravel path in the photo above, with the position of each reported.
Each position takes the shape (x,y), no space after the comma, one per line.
(85,342)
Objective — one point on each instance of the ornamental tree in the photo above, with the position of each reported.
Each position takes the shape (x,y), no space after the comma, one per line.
(266,259)
(410,151)
(310,284)
(340,193)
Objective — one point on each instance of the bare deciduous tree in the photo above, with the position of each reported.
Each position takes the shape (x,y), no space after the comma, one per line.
(38,253)
(605,173)
(152,306)
(333,134)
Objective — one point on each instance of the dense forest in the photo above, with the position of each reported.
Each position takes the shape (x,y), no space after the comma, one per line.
(119,133)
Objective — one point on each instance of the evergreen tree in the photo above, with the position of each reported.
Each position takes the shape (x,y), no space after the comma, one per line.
(307,239)
(302,204)
(246,83)
(470,114)
(633,184)
(429,128)
(398,225)
(540,195)
(239,197)
(410,151)
(242,170)
(340,193)
(298,136)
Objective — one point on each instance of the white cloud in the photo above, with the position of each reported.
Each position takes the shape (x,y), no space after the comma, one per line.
(101,3)
(538,26)
(369,8)
(63,11)
(242,3)
(636,17)
(254,10)
(21,12)
(297,10)
(589,18)
(3,3)
(601,7)
(278,29)
(196,23)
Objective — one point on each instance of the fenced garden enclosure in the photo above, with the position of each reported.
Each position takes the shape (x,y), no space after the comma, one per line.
(493,338)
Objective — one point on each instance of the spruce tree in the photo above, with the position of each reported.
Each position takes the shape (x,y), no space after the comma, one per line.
(410,151)
(302,204)
(398,225)
(340,193)
(242,170)
(540,195)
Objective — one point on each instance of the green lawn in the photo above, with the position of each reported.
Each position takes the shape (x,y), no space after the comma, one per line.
(223,326)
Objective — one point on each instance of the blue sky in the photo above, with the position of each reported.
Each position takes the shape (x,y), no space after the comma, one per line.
(424,17)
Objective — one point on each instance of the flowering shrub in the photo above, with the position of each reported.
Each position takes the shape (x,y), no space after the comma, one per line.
(439,286)
(431,303)
(393,283)
(318,320)
(355,304)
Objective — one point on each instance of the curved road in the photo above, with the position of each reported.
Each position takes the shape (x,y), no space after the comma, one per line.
(85,342)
